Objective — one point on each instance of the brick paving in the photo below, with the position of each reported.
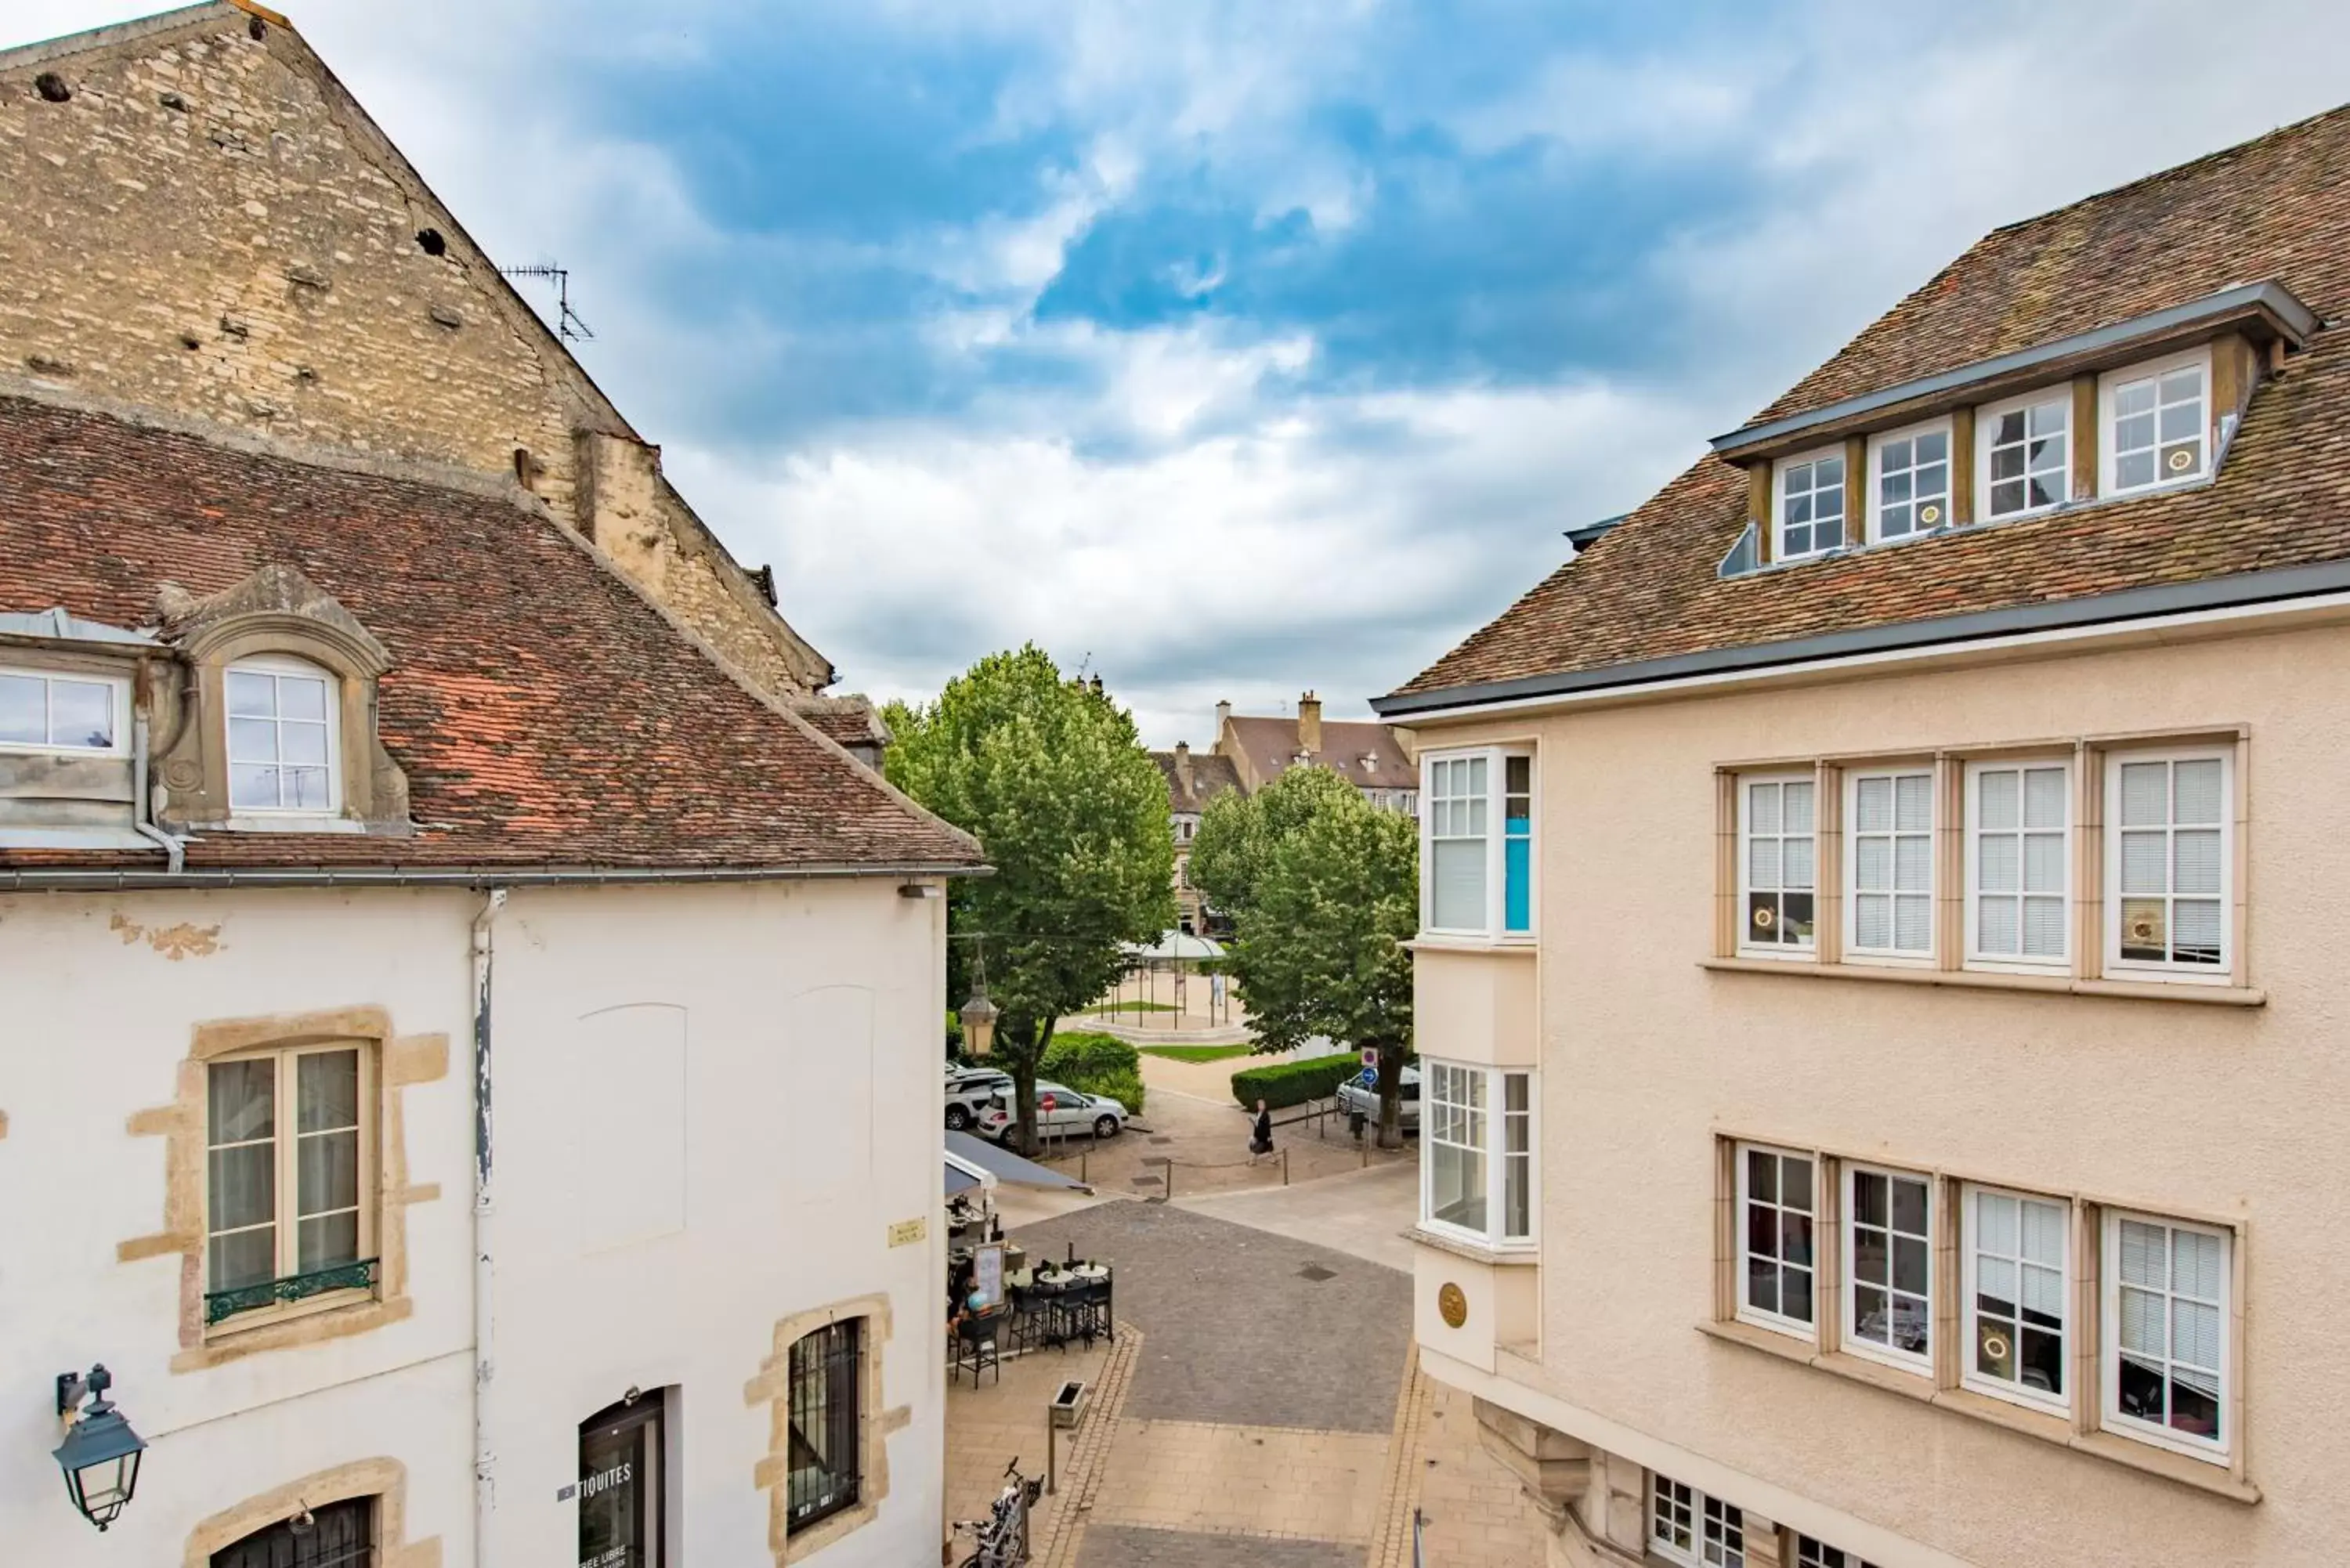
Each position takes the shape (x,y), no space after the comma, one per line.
(1237,1336)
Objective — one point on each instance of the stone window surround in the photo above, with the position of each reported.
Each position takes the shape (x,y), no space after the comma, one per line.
(195,764)
(2082,1428)
(772,1388)
(2084,974)
(401,1060)
(385,1479)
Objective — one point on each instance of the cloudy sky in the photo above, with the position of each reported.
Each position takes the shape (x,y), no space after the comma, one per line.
(1242,347)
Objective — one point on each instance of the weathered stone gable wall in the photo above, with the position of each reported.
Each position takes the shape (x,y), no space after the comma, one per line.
(209,225)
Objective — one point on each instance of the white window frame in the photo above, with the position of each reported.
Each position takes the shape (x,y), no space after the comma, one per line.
(1969,1338)
(1923,957)
(2222,972)
(117,698)
(1704,1509)
(1877,445)
(1813,1553)
(282,817)
(1986,421)
(1497,760)
(1805,951)
(2107,452)
(1779,471)
(2110,1336)
(1494,1154)
(1777,1322)
(2016,962)
(1888,1354)
(286,1137)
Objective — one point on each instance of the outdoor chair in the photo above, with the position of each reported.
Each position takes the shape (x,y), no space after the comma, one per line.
(975,1345)
(1085,1313)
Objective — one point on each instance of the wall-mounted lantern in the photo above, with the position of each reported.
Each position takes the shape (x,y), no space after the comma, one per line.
(100,1453)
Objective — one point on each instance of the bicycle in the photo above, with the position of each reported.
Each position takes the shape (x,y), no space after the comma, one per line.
(1002,1536)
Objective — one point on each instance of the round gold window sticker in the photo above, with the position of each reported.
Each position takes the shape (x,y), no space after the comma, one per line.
(1930,514)
(1451,1305)
(2181,461)
(1995,1347)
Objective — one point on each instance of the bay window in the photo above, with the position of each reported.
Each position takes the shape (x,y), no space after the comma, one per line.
(1891,851)
(1478,853)
(1477,1167)
(2019,857)
(2169,840)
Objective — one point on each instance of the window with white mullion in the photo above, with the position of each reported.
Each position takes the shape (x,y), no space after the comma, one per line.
(1457,829)
(285,1155)
(2018,1296)
(59,712)
(1888,1296)
(1889,855)
(1454,1109)
(2166,1331)
(1477,1176)
(281,737)
(1777,864)
(2019,863)
(1811,505)
(1777,1206)
(2157,424)
(1686,1525)
(2167,848)
(2026,454)
(1811,1553)
(1911,482)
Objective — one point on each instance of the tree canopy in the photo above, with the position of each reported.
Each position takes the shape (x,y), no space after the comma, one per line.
(1323,890)
(1052,778)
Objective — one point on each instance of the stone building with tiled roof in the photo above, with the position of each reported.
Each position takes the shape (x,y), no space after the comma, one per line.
(1876,976)
(472,1064)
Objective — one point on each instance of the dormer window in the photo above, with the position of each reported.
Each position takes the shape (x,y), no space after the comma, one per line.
(282,741)
(1810,504)
(2026,445)
(1911,481)
(59,713)
(2158,419)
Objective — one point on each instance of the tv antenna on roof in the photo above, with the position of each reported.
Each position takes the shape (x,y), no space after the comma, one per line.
(566,321)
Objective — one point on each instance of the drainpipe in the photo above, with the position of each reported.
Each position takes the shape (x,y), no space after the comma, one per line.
(484,1218)
(142,799)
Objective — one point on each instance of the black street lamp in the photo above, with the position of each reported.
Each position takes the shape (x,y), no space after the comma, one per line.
(100,1453)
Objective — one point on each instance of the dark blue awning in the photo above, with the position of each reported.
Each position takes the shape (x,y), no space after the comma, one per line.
(1007,1165)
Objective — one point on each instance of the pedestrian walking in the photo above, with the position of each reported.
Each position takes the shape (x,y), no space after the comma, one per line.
(1261,1140)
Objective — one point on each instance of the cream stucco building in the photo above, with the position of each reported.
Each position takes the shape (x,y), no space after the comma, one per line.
(1878,984)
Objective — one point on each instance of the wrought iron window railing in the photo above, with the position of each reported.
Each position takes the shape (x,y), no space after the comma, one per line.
(354,1276)
(827,1394)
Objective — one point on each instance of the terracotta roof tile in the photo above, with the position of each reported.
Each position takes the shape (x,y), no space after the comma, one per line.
(1271,745)
(2277,207)
(546,714)
(1212,775)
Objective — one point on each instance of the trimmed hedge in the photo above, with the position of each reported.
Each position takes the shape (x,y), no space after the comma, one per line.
(1284,1084)
(1095,1064)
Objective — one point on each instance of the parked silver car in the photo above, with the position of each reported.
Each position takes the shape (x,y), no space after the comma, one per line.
(1060,1111)
(1359,1096)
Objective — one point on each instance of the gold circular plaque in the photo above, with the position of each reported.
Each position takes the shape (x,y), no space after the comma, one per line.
(1930,514)
(2181,461)
(1451,1305)
(1994,1345)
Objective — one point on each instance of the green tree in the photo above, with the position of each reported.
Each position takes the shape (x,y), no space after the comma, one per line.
(1051,777)
(1323,892)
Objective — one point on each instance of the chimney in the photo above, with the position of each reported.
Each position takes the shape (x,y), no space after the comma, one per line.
(1309,723)
(1183,766)
(1223,717)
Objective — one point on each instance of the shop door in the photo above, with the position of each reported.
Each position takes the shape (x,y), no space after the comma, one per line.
(619,1487)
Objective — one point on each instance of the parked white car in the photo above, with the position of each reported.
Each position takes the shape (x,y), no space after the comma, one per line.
(1060,1111)
(969,1090)
(1359,1096)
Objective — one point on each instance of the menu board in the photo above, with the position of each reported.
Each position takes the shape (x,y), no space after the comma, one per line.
(988,1279)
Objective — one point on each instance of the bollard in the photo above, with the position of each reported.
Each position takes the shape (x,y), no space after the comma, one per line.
(1082,1162)
(1284,1168)
(1052,1449)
